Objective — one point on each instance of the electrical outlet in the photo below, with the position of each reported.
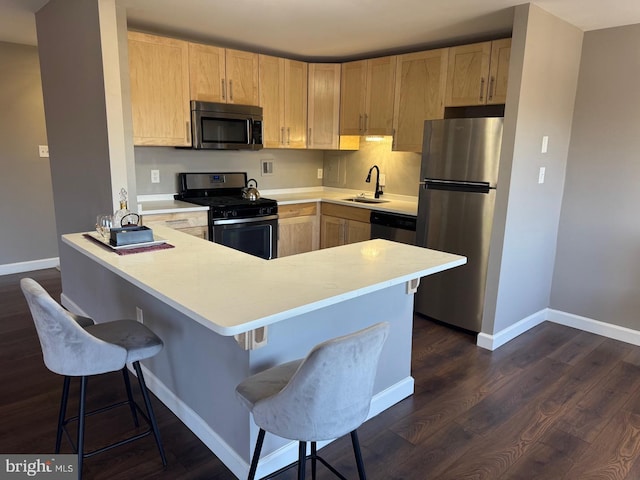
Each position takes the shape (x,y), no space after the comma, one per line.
(541,175)
(139,315)
(43,151)
(320,173)
(155,176)
(383,180)
(266,167)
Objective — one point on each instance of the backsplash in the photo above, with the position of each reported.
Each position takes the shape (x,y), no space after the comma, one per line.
(343,169)
(291,168)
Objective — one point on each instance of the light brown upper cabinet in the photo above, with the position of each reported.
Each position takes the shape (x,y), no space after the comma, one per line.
(159,76)
(478,73)
(324,106)
(367,96)
(223,75)
(283,97)
(419,96)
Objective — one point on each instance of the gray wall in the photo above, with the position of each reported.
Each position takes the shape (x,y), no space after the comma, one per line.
(291,168)
(83,107)
(597,272)
(542,84)
(26,199)
(345,169)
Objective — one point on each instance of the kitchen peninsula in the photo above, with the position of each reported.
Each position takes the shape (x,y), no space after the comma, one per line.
(224,315)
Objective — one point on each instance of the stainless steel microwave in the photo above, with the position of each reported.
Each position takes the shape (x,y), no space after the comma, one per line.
(226,126)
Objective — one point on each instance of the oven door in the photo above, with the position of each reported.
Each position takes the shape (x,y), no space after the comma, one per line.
(257,236)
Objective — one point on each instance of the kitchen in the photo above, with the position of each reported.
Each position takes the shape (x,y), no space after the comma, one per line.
(518,298)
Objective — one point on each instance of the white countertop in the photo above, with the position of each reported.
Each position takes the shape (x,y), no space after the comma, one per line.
(394,203)
(231,292)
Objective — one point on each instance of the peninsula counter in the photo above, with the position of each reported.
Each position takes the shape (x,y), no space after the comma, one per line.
(225,315)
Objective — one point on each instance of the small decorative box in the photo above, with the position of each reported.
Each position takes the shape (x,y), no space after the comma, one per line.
(130,235)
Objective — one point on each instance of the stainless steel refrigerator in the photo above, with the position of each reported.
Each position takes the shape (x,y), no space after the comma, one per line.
(455,214)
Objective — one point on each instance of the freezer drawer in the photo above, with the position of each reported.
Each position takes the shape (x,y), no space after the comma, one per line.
(457,222)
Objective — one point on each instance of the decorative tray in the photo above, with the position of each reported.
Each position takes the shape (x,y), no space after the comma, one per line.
(100,239)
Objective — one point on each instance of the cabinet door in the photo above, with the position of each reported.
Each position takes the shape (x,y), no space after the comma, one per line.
(207,73)
(419,96)
(297,235)
(358,231)
(467,77)
(499,71)
(295,104)
(272,100)
(242,77)
(353,91)
(324,106)
(381,78)
(332,231)
(159,76)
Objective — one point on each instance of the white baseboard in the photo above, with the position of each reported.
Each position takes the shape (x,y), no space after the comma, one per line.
(608,330)
(623,334)
(491,342)
(274,461)
(20,267)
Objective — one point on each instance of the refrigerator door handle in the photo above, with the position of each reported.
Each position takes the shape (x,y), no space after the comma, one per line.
(465,186)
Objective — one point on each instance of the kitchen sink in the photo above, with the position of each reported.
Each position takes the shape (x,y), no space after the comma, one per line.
(365,200)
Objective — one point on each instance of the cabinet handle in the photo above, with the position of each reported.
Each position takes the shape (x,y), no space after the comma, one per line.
(360,124)
(224,93)
(366,122)
(393,139)
(188,132)
(482,89)
(282,135)
(288,135)
(309,139)
(492,82)
(231,90)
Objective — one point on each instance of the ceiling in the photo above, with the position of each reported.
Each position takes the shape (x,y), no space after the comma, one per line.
(331,29)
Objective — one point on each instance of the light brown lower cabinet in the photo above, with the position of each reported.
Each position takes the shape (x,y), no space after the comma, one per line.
(193,223)
(298,228)
(341,225)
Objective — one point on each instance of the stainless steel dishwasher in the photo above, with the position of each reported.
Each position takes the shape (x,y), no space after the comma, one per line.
(393,226)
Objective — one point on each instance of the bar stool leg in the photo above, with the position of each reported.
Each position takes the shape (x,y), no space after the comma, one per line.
(152,417)
(127,385)
(63,411)
(358,454)
(314,456)
(81,414)
(256,455)
(302,457)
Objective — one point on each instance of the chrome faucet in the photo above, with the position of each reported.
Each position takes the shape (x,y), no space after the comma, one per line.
(368,180)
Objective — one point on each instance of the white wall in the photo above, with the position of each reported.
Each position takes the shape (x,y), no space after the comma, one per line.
(543,75)
(597,272)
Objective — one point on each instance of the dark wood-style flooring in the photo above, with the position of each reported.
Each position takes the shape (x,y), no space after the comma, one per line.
(555,403)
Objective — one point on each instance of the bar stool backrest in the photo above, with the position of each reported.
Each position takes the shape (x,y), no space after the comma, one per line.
(330,393)
(67,348)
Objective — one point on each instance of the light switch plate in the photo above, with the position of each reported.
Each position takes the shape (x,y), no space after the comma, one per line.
(155,176)
(43,151)
(541,175)
(320,173)
(266,167)
(545,144)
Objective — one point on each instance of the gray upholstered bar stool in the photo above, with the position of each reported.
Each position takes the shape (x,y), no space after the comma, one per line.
(323,396)
(75,346)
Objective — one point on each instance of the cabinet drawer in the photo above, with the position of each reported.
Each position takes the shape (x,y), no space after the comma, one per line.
(176,220)
(350,213)
(297,210)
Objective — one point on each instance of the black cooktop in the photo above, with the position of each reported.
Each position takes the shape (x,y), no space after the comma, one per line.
(229,201)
